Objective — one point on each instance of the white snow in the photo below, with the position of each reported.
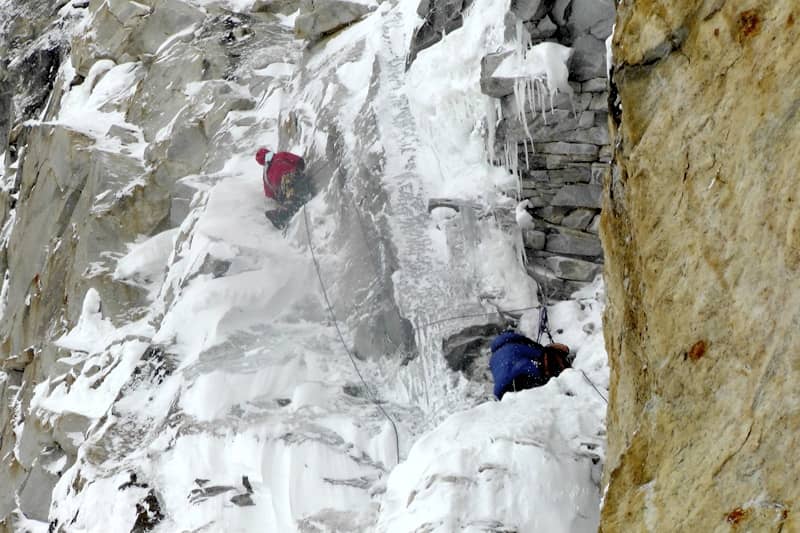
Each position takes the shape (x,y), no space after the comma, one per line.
(528,463)
(4,295)
(92,331)
(518,463)
(449,109)
(547,61)
(144,264)
(237,370)
(610,51)
(523,217)
(99,102)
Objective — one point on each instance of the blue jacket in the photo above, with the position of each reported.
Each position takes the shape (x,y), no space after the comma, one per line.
(514,356)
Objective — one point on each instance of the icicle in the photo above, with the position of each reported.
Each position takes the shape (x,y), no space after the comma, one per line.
(4,295)
(525,144)
(530,86)
(491,128)
(512,161)
(542,105)
(519,100)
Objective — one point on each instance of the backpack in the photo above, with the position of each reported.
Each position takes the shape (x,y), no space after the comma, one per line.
(555,359)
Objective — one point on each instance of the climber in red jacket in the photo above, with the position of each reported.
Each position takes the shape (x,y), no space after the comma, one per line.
(285,182)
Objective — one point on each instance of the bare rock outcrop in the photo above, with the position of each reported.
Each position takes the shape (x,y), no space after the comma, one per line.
(317,19)
(701,230)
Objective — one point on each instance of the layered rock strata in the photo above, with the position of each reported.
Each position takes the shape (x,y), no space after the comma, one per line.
(561,149)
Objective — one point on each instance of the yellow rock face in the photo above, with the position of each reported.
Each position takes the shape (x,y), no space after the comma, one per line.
(701,230)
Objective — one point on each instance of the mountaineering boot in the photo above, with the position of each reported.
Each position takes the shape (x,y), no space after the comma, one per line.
(278,217)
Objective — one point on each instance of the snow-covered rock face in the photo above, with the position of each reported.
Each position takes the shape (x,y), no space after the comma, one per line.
(170,361)
(561,155)
(702,235)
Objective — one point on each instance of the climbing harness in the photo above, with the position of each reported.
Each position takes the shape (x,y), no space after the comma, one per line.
(344,343)
(544,328)
(544,325)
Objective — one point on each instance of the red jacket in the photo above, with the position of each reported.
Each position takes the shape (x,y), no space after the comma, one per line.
(282,163)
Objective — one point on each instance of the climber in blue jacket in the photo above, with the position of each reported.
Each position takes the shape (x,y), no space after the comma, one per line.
(519,363)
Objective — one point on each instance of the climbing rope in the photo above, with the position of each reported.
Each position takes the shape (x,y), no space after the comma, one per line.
(477,315)
(589,381)
(344,343)
(544,320)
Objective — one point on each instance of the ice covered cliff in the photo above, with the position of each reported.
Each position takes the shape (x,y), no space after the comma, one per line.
(169,362)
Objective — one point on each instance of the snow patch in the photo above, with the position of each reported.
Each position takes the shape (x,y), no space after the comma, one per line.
(92,332)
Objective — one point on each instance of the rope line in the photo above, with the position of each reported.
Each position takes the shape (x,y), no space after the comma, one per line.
(477,315)
(344,343)
(589,381)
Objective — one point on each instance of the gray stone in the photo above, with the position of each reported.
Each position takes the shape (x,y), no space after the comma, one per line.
(534,239)
(599,171)
(579,218)
(275,6)
(125,11)
(125,135)
(606,152)
(594,226)
(36,493)
(181,199)
(536,200)
(557,288)
(565,148)
(218,99)
(529,178)
(601,118)
(556,117)
(167,18)
(587,119)
(561,125)
(599,102)
(572,269)
(580,195)
(440,18)
(462,349)
(595,135)
(496,87)
(317,19)
(577,101)
(576,174)
(588,59)
(595,85)
(594,17)
(558,161)
(529,10)
(573,242)
(424,8)
(551,214)
(108,39)
(545,29)
(559,12)
(157,100)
